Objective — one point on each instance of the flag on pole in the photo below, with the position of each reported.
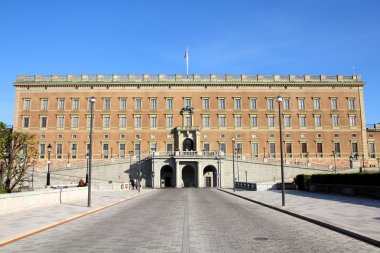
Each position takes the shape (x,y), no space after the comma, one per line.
(187,61)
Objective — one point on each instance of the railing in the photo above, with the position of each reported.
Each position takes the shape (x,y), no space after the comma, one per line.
(186,78)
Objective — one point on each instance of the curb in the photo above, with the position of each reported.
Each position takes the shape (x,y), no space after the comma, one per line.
(56,224)
(343,231)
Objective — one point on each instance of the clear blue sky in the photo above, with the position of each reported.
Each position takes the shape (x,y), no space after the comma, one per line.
(236,36)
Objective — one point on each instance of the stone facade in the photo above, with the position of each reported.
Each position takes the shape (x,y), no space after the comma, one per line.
(195,117)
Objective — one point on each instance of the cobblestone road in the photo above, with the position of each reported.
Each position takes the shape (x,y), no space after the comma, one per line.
(188,220)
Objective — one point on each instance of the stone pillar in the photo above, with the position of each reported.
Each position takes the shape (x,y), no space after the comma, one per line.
(178,175)
(200,174)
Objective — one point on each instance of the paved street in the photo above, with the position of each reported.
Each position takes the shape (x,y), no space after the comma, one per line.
(188,220)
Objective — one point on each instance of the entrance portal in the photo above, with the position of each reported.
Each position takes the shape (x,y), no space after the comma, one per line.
(210,176)
(188,176)
(188,145)
(167,176)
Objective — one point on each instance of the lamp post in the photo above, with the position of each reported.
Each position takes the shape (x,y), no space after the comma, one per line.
(237,164)
(279,100)
(334,155)
(233,163)
(246,177)
(139,171)
(378,163)
(87,156)
(111,152)
(92,102)
(48,173)
(264,154)
(33,163)
(153,169)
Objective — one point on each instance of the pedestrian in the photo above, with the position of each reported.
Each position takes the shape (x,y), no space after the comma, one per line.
(133,184)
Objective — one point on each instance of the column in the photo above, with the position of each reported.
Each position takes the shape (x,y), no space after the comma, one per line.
(199,169)
(178,175)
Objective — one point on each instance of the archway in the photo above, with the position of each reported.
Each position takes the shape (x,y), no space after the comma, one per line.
(167,176)
(210,176)
(188,176)
(188,145)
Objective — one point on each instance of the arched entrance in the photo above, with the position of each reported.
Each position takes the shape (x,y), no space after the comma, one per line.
(167,176)
(210,176)
(188,145)
(188,176)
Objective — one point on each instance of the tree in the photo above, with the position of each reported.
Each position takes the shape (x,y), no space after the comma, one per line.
(16,151)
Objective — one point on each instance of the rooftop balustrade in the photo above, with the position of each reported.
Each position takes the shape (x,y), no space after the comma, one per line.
(165,78)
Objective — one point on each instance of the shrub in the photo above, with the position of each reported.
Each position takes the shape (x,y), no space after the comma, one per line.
(301,181)
(364,179)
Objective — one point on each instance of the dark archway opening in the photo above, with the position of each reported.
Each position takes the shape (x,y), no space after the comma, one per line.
(210,176)
(188,176)
(188,145)
(167,176)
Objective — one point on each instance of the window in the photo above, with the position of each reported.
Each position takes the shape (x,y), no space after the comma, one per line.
(122,150)
(270,120)
(206,103)
(253,103)
(304,148)
(288,136)
(44,104)
(42,150)
(301,103)
(351,103)
(237,103)
(169,148)
(352,121)
(287,121)
(318,121)
(239,149)
(222,147)
(221,103)
(169,120)
(253,120)
(302,119)
(122,121)
(371,150)
(26,122)
(354,148)
(238,120)
(123,104)
(288,149)
(153,104)
(187,121)
(272,150)
(270,104)
(74,136)
(138,121)
(337,149)
(319,149)
(317,104)
(44,122)
(75,105)
(335,120)
(106,104)
(334,103)
(153,121)
(106,121)
(206,147)
(169,103)
(74,150)
(59,151)
(222,121)
(153,147)
(26,105)
(206,121)
(60,121)
(255,150)
(122,136)
(74,121)
(105,150)
(60,136)
(61,104)
(137,148)
(286,102)
(137,103)
(187,102)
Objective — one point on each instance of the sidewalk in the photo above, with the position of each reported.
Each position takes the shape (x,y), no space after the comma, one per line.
(359,217)
(22,223)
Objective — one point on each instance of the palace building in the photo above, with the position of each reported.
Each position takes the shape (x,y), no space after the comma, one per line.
(192,117)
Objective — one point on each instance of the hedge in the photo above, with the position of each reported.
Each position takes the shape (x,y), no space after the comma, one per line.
(363,179)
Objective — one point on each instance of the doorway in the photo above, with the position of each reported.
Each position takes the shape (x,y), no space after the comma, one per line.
(188,176)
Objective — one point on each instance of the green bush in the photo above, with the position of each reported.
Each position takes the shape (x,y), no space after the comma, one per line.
(364,179)
(301,181)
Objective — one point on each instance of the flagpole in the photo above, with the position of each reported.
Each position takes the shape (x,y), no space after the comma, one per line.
(187,61)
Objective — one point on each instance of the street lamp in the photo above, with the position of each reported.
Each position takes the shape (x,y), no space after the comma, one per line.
(92,102)
(246,177)
(87,156)
(153,169)
(139,172)
(237,164)
(334,154)
(378,163)
(233,163)
(264,154)
(48,173)
(279,100)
